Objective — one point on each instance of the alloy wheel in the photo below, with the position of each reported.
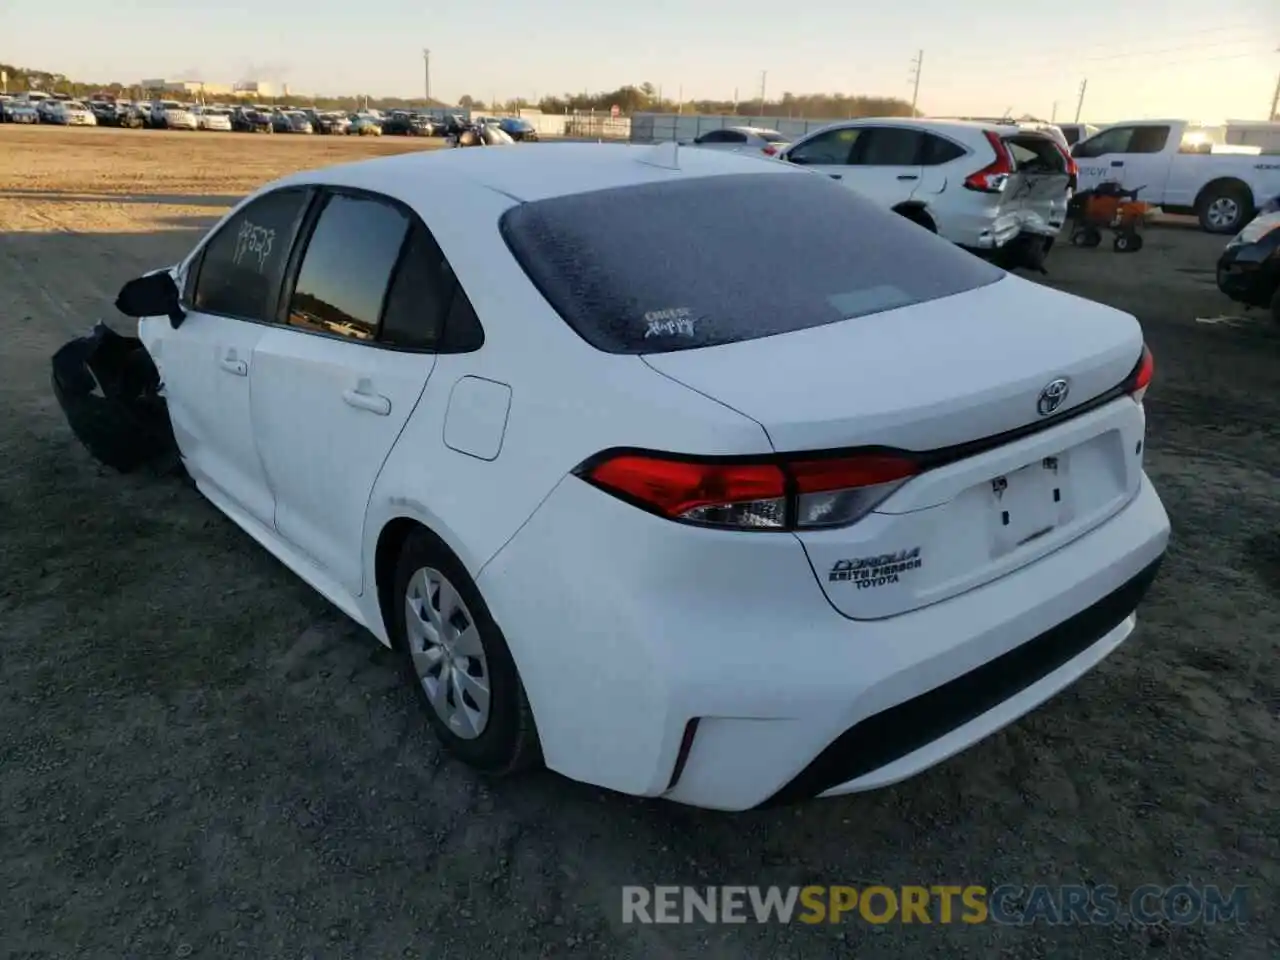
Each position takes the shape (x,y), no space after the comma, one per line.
(448,655)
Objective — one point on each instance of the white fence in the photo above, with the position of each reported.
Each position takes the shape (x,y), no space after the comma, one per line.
(585,125)
(660,127)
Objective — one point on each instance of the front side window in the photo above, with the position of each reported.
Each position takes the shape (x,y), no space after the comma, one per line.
(241,267)
(347,266)
(831,148)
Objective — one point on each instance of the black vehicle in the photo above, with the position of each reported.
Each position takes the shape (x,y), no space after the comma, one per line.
(251,120)
(454,124)
(290,121)
(1249,268)
(408,125)
(518,129)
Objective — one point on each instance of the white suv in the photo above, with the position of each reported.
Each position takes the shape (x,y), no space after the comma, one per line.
(988,187)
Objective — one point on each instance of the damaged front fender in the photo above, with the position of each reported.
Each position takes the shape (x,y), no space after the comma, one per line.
(110,392)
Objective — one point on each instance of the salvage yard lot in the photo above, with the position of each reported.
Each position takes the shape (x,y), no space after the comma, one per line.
(200,757)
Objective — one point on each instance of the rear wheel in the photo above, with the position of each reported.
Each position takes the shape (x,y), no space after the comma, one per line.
(458,661)
(1225,208)
(1087,237)
(1127,243)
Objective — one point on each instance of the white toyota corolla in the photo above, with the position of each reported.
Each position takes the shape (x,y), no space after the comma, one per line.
(679,506)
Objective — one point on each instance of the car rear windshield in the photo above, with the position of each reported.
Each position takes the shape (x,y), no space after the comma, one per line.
(698,262)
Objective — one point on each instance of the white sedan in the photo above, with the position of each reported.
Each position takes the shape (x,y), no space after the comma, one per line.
(677,506)
(212,118)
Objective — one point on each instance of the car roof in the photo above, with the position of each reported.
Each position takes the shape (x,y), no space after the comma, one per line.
(537,173)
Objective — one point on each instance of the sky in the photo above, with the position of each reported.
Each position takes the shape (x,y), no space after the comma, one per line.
(1198,59)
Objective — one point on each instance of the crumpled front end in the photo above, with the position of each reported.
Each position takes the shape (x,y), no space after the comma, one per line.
(110,392)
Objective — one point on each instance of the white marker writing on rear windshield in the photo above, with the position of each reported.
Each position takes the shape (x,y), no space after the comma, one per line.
(677,321)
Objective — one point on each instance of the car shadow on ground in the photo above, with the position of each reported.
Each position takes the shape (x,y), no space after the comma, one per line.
(202,757)
(179,199)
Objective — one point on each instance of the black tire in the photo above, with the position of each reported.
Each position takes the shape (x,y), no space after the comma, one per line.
(509,741)
(1087,237)
(1210,216)
(1127,243)
(919,218)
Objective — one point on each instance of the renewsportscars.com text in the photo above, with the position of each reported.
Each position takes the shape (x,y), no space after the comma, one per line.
(1012,904)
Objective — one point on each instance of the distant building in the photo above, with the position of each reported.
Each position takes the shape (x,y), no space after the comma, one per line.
(252,88)
(192,88)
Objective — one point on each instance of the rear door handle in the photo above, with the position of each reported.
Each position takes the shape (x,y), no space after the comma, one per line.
(232,365)
(836,176)
(1117,163)
(908,176)
(361,399)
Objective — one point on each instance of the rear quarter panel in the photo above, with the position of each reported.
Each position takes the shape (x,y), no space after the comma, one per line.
(568,400)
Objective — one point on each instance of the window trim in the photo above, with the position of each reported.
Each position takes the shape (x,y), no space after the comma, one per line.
(318,197)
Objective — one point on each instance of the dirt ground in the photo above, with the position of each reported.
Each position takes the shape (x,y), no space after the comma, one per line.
(199,757)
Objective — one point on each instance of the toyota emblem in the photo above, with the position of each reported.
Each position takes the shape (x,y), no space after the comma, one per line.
(1052,396)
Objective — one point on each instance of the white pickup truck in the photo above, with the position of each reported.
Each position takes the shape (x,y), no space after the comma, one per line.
(1182,167)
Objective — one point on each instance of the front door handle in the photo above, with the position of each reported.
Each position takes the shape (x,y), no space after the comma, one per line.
(908,176)
(232,365)
(1117,163)
(362,398)
(836,176)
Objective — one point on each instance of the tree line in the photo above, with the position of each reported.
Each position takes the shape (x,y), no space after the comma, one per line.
(629,99)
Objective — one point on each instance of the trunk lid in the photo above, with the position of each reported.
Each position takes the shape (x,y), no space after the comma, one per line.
(939,375)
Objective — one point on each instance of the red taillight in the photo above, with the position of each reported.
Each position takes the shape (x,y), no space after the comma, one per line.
(992,177)
(769,150)
(768,495)
(1140,379)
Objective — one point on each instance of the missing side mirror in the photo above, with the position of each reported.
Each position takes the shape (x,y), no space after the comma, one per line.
(155,295)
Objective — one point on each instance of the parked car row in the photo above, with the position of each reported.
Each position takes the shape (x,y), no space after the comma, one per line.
(37,107)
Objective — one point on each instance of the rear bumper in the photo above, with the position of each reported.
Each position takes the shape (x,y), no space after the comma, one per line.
(645,626)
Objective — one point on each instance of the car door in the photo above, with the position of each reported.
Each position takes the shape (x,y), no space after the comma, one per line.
(231,290)
(886,163)
(336,381)
(826,152)
(1132,155)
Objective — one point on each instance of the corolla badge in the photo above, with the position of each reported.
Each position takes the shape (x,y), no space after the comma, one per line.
(1052,396)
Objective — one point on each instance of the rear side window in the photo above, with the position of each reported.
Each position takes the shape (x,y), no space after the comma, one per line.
(939,150)
(888,147)
(347,266)
(420,294)
(242,265)
(704,261)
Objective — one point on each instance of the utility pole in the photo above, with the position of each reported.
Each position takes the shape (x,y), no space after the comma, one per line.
(1053,116)
(764,81)
(1275,102)
(680,94)
(916,66)
(1084,85)
(426,74)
